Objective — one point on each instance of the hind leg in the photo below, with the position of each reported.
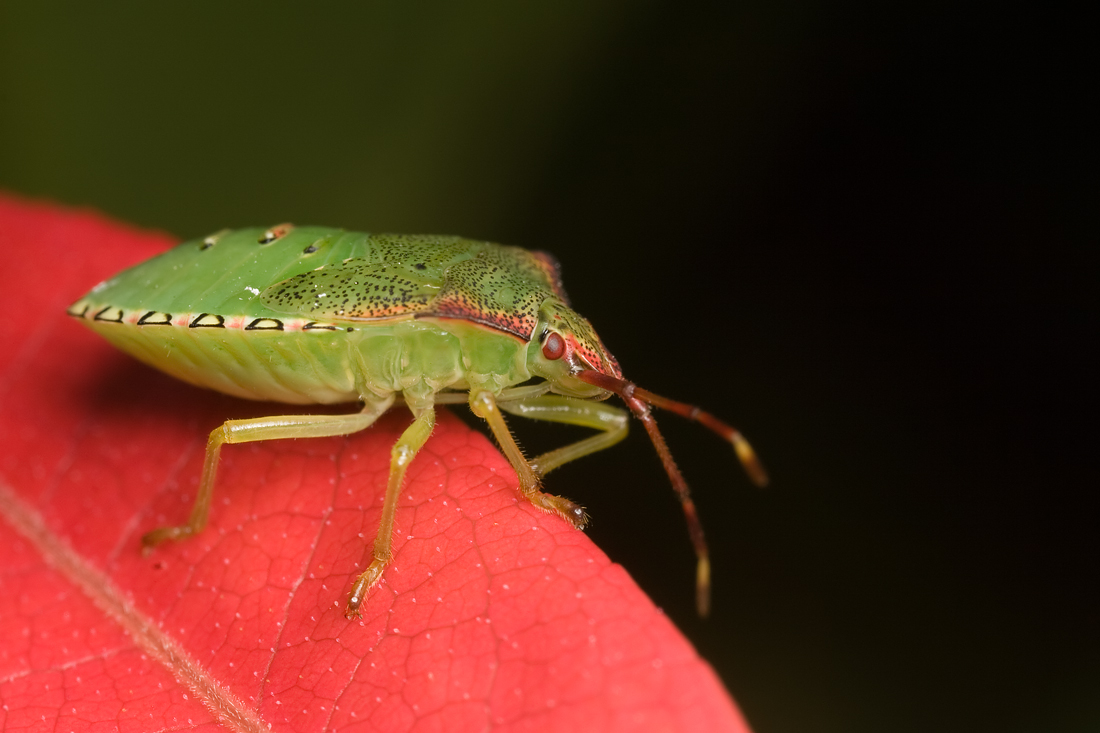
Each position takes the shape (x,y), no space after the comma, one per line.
(253,430)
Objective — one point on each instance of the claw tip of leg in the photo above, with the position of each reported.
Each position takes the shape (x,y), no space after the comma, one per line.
(578,517)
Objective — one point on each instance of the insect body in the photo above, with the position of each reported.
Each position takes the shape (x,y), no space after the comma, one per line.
(317,315)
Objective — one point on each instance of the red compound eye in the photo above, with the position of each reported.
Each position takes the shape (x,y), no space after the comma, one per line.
(554,347)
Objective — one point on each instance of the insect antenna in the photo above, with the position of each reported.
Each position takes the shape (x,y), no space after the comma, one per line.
(638,400)
(753,467)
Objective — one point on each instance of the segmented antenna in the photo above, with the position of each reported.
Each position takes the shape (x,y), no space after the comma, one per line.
(638,400)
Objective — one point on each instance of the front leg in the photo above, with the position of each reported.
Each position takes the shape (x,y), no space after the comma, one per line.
(484,405)
(612,422)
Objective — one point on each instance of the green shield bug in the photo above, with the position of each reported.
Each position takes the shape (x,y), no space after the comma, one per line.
(308,315)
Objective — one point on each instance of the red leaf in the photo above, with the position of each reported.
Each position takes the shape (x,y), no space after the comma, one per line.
(493,615)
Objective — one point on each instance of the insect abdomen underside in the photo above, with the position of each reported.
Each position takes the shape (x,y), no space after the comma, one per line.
(324,364)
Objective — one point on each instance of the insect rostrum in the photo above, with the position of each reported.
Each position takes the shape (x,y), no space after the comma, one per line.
(309,315)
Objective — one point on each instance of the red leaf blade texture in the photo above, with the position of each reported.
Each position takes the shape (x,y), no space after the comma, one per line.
(493,615)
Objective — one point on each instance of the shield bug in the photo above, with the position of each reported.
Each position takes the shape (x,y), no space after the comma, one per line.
(317,315)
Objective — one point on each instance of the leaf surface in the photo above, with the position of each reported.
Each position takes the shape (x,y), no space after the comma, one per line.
(493,615)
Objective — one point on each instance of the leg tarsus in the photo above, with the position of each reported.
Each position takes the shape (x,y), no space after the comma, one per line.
(150,540)
(362,585)
(564,508)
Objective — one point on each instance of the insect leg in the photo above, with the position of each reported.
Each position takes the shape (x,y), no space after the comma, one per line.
(256,429)
(404,450)
(485,406)
(613,423)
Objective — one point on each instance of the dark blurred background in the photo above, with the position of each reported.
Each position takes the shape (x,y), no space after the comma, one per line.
(867,236)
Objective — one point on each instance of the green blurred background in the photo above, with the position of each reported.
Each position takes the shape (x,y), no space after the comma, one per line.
(866,235)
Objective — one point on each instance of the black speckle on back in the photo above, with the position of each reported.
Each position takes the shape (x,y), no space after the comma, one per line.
(355,289)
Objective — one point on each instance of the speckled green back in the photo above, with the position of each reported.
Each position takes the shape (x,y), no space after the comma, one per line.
(330,274)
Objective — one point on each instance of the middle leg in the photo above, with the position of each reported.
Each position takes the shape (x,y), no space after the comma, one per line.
(402,454)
